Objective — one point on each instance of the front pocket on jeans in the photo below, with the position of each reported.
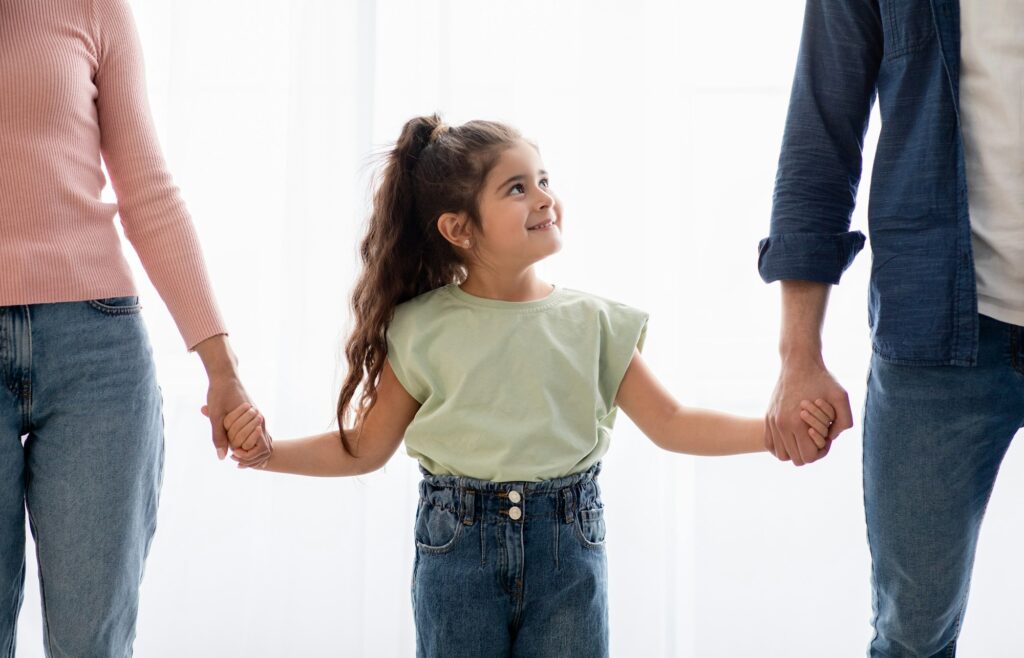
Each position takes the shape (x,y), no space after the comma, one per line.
(437,529)
(590,527)
(126,305)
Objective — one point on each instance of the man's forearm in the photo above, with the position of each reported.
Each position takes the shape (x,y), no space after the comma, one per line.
(803,315)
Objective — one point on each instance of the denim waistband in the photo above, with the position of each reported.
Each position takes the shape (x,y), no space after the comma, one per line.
(487,486)
(470,498)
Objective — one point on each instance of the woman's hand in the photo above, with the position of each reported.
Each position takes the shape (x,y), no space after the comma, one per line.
(251,445)
(251,449)
(225,394)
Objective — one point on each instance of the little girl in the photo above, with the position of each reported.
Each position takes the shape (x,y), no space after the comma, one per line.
(503,386)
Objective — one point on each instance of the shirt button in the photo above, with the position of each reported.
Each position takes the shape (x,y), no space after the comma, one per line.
(514,496)
(515,513)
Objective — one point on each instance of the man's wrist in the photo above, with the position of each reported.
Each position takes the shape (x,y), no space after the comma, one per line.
(802,354)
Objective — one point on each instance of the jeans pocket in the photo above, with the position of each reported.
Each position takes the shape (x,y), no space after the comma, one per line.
(590,528)
(438,529)
(127,305)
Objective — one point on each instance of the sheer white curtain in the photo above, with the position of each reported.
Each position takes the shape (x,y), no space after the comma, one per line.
(660,123)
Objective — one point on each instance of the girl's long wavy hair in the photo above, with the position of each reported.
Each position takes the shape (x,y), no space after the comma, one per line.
(433,169)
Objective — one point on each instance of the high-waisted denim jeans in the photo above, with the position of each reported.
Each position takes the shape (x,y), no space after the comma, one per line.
(81,448)
(934,437)
(510,568)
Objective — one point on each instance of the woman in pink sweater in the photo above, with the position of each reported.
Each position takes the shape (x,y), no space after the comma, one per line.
(81,430)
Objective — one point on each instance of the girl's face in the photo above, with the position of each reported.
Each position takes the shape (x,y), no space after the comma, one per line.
(520,215)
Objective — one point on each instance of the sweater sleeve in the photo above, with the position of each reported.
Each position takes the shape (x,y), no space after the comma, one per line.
(152,212)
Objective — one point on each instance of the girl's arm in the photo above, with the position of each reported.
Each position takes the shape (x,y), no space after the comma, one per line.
(676,428)
(323,455)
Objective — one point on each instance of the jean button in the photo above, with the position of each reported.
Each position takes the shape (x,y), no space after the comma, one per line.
(514,496)
(515,513)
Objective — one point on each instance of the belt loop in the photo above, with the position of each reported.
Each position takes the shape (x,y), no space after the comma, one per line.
(568,504)
(468,506)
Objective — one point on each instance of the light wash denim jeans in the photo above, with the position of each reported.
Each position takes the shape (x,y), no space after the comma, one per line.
(510,568)
(934,437)
(79,387)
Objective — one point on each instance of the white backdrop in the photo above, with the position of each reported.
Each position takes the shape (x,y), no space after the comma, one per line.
(661,124)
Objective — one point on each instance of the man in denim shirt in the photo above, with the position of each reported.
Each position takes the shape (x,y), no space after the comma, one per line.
(945,391)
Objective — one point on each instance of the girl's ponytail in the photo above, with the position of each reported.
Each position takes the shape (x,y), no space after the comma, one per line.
(432,169)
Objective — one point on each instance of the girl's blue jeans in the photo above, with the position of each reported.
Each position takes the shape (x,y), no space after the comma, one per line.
(934,437)
(81,450)
(510,569)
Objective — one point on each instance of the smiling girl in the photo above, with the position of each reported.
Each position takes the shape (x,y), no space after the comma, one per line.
(503,386)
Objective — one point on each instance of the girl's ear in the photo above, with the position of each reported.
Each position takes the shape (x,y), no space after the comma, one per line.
(456,229)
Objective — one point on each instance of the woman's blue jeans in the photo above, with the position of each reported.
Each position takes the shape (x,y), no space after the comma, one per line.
(81,449)
(510,569)
(934,438)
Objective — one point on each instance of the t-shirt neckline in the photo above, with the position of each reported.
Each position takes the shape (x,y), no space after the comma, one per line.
(463,296)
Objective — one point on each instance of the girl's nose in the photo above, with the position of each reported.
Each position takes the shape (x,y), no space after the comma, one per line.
(544,200)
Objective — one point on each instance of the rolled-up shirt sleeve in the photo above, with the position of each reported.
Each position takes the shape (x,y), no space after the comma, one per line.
(821,160)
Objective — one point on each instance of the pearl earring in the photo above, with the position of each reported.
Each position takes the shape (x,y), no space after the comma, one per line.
(466,244)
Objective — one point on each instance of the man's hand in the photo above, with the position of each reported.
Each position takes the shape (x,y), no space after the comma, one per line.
(787,433)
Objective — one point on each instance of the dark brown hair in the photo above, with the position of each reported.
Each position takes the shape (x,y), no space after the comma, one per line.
(433,169)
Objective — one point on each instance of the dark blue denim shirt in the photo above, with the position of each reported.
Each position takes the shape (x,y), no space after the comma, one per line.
(922,305)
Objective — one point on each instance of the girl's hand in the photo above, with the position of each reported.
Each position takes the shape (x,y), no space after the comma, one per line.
(819,417)
(251,446)
(247,432)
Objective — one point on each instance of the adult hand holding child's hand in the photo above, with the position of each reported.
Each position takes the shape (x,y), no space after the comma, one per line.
(245,427)
(792,424)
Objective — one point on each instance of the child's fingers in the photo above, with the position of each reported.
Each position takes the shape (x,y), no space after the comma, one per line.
(818,439)
(256,462)
(816,411)
(255,437)
(251,427)
(256,452)
(824,405)
(242,421)
(814,422)
(235,413)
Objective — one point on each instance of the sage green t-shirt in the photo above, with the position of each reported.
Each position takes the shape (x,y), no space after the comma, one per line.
(512,390)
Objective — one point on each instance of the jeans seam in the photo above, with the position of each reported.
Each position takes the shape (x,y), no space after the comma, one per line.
(47,632)
(557,525)
(951,647)
(26,383)
(483,543)
(875,607)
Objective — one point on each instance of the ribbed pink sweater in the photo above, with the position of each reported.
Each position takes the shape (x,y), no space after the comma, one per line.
(71,90)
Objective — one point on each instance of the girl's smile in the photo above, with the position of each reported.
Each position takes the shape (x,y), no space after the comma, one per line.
(517,198)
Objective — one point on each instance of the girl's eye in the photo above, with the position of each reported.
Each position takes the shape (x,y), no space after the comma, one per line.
(518,187)
(544,182)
